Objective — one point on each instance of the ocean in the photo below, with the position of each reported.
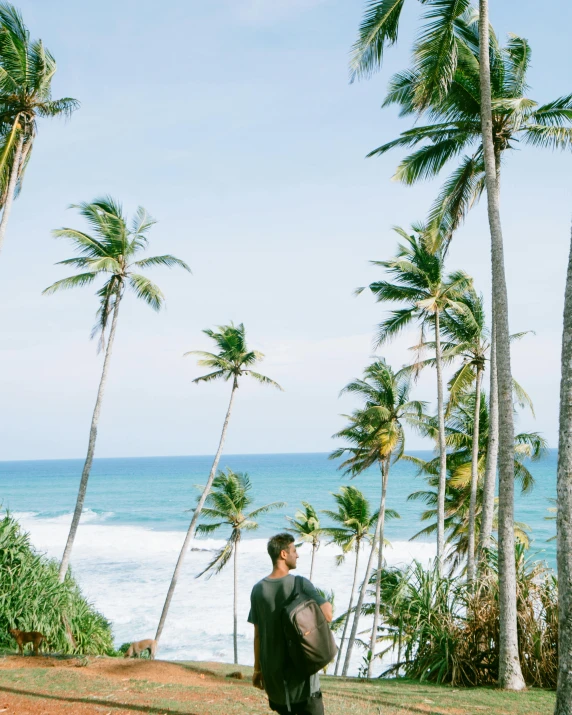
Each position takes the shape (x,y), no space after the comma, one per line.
(137,511)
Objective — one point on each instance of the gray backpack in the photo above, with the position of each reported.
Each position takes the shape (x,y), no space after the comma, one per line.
(309,640)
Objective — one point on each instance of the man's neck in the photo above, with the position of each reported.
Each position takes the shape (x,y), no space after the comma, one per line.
(280,570)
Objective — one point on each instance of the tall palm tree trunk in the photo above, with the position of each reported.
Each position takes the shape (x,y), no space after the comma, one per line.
(474,479)
(490,480)
(442,449)
(314,547)
(510,673)
(350,604)
(235,604)
(564,517)
(193,525)
(90,447)
(11,190)
(361,597)
(373,639)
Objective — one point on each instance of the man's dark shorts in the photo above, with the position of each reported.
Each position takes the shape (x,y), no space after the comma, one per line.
(314,705)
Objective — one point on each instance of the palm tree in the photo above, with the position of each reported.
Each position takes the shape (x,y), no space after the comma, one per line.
(465,336)
(421,285)
(455,125)
(451,42)
(109,250)
(233,361)
(564,513)
(226,504)
(306,526)
(462,436)
(510,672)
(26,72)
(464,329)
(354,520)
(377,438)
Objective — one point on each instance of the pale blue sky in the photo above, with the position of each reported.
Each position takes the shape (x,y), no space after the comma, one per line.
(233,123)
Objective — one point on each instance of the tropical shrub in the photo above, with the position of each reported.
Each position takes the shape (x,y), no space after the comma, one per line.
(446,631)
(32,599)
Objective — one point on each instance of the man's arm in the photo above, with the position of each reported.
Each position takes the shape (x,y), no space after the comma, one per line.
(327,611)
(257,676)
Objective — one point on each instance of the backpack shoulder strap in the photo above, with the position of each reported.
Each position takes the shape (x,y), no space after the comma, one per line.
(298,585)
(296,591)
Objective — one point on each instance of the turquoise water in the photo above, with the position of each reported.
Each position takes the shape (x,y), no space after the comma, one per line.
(133,527)
(155,493)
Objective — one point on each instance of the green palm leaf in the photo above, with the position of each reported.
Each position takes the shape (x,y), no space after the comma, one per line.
(107,251)
(228,502)
(146,290)
(234,359)
(378,29)
(77,281)
(167,260)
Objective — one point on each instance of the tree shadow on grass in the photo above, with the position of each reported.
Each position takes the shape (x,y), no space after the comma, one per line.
(95,701)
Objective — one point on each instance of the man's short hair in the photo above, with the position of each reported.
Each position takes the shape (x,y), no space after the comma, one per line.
(277,544)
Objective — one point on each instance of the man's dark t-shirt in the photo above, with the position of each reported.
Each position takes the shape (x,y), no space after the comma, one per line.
(266,601)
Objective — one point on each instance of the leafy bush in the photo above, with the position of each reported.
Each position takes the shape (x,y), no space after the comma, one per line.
(31,599)
(445,631)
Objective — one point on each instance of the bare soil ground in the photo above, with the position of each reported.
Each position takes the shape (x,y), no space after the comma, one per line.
(115,686)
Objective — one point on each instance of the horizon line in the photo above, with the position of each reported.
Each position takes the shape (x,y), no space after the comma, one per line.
(193,456)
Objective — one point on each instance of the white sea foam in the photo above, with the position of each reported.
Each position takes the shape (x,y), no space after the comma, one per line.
(125,571)
(89,516)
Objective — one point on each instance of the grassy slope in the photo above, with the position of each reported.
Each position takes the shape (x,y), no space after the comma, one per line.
(117,687)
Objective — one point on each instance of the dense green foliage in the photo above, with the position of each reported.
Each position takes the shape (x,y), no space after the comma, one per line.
(31,598)
(446,631)
(528,446)
(27,69)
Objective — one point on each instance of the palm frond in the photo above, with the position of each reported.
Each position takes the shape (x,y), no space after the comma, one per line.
(77,281)
(378,29)
(220,560)
(166,260)
(263,379)
(392,326)
(548,137)
(146,290)
(436,52)
(217,375)
(427,162)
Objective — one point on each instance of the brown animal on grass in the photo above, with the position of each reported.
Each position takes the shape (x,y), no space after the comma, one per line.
(23,637)
(135,649)
(236,674)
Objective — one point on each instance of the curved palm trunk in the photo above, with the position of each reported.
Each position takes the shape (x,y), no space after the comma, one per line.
(442,449)
(474,480)
(490,481)
(90,449)
(564,523)
(193,525)
(373,639)
(235,604)
(314,547)
(510,673)
(11,190)
(361,597)
(350,604)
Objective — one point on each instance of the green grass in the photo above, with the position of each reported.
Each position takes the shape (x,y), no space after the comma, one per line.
(219,695)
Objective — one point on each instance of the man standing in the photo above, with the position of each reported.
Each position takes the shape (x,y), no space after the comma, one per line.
(288,694)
